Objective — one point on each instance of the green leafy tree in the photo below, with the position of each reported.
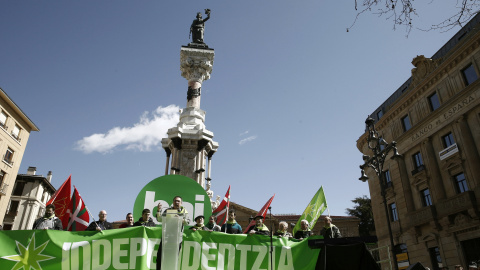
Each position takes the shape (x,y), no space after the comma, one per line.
(363,210)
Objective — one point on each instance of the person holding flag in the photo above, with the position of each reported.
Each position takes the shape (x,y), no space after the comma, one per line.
(315,208)
(304,232)
(102,223)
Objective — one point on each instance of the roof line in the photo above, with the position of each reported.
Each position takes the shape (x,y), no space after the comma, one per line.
(17,108)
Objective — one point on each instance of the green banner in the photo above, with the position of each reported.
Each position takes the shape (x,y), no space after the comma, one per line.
(136,248)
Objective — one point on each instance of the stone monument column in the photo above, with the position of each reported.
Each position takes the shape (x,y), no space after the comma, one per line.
(190,142)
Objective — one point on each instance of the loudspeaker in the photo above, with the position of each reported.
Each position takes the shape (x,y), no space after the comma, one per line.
(416,266)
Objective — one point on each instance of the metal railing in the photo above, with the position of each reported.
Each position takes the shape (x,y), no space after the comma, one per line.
(384,264)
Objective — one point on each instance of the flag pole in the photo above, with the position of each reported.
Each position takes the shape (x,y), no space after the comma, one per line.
(325,196)
(271,239)
(91,216)
(226,221)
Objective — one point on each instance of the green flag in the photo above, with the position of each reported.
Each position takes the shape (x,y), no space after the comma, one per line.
(315,208)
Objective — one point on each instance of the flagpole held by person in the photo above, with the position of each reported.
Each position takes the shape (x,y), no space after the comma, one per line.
(314,210)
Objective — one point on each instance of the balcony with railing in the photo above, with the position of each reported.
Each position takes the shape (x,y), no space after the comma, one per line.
(16,137)
(458,203)
(418,169)
(422,216)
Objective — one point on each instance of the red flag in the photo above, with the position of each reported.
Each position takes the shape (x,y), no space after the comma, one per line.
(262,212)
(79,217)
(61,201)
(221,211)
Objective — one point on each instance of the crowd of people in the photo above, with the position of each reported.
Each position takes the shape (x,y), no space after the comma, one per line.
(50,222)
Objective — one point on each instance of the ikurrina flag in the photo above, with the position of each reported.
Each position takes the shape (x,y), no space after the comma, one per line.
(221,211)
(61,201)
(317,206)
(79,218)
(262,212)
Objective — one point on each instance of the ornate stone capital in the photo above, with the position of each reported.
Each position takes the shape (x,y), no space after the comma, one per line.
(196,64)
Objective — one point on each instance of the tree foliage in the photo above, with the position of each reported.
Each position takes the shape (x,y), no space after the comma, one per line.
(404,12)
(363,210)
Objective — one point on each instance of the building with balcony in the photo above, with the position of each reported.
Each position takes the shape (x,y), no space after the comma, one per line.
(27,202)
(15,128)
(433,190)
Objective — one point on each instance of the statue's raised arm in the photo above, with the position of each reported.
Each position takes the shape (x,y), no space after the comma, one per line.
(197,29)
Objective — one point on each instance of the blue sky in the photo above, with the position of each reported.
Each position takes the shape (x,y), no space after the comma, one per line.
(287,99)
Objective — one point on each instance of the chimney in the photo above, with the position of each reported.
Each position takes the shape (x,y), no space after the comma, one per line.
(49,176)
(31,170)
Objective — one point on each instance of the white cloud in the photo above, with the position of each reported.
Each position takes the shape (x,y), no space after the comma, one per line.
(142,136)
(248,139)
(244,133)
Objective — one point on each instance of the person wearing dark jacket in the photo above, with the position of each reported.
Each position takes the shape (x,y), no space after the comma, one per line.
(304,232)
(259,227)
(145,220)
(101,224)
(49,221)
(330,231)
(212,224)
(231,226)
(129,223)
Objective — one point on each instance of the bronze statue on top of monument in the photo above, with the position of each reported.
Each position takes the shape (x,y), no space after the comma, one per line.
(197,29)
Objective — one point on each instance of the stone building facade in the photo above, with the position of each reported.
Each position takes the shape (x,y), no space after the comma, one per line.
(30,194)
(15,128)
(433,190)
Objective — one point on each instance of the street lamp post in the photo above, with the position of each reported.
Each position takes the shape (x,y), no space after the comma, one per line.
(380,149)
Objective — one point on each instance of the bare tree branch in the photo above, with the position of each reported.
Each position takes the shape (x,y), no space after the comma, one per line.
(403,13)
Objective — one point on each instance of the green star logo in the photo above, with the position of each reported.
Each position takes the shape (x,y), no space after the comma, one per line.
(29,256)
